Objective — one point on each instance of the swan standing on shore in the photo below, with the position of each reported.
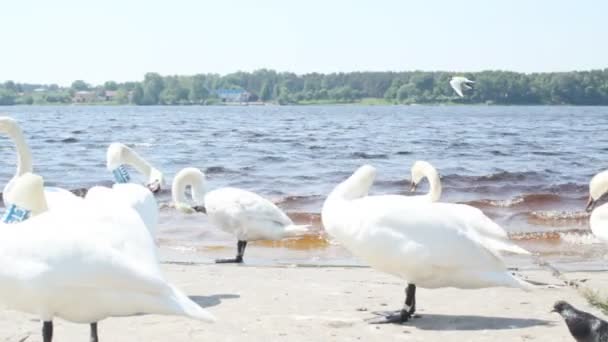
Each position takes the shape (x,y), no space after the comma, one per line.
(54,196)
(420,170)
(83,265)
(599,216)
(459,83)
(132,195)
(431,245)
(244,214)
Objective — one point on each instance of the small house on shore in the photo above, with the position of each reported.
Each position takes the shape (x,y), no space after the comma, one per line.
(232,95)
(84,96)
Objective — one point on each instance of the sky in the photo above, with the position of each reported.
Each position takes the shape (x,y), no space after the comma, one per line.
(63,40)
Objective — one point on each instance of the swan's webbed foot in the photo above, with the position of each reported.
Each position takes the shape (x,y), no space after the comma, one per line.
(394,317)
(240,247)
(237,260)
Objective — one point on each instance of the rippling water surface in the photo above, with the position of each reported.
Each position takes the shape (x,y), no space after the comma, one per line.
(526,167)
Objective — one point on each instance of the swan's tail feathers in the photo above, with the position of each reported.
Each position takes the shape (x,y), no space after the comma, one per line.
(522,284)
(506,246)
(297,229)
(189,308)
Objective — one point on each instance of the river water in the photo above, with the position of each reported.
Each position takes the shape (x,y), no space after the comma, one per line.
(528,168)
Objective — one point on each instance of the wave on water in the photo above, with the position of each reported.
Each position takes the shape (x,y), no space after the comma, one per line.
(363,155)
(494,177)
(215,170)
(556,215)
(68,140)
(522,200)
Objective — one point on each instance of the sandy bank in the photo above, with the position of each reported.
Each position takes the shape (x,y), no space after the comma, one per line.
(327,304)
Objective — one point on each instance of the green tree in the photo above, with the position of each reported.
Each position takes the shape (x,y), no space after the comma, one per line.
(138,95)
(110,85)
(153,86)
(79,85)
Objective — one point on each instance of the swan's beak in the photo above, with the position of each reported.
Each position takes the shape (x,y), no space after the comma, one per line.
(154,186)
(590,204)
(199,209)
(413,187)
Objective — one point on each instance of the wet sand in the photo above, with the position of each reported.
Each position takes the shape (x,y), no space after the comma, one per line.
(256,303)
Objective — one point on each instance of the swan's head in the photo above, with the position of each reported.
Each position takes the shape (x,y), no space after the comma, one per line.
(9,126)
(156,181)
(195,179)
(28,193)
(420,170)
(597,188)
(119,154)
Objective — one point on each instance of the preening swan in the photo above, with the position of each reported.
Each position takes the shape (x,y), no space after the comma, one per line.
(83,265)
(244,214)
(599,216)
(460,83)
(132,195)
(431,245)
(422,169)
(54,196)
(119,155)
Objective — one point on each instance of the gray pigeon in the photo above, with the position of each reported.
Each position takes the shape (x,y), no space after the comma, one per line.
(583,326)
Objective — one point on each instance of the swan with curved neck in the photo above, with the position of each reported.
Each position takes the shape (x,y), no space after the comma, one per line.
(422,169)
(119,155)
(55,196)
(132,195)
(431,245)
(82,265)
(598,221)
(244,214)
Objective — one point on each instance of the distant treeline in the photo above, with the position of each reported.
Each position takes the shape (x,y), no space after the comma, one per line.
(491,87)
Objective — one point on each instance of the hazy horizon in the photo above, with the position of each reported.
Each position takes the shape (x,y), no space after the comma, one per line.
(65,40)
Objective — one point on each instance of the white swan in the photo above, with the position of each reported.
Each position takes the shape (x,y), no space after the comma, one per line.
(459,83)
(83,265)
(431,245)
(420,170)
(54,196)
(132,195)
(119,155)
(599,216)
(244,214)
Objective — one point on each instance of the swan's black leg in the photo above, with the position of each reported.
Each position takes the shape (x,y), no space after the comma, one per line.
(94,337)
(47,331)
(405,314)
(240,248)
(410,299)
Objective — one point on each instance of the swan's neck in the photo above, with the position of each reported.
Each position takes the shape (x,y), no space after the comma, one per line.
(178,189)
(24,156)
(131,158)
(24,159)
(434,186)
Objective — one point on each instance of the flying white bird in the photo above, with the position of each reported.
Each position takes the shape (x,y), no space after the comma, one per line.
(460,82)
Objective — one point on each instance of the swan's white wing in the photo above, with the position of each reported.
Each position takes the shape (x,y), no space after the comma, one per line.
(423,243)
(129,195)
(246,212)
(58,197)
(599,222)
(457,86)
(81,267)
